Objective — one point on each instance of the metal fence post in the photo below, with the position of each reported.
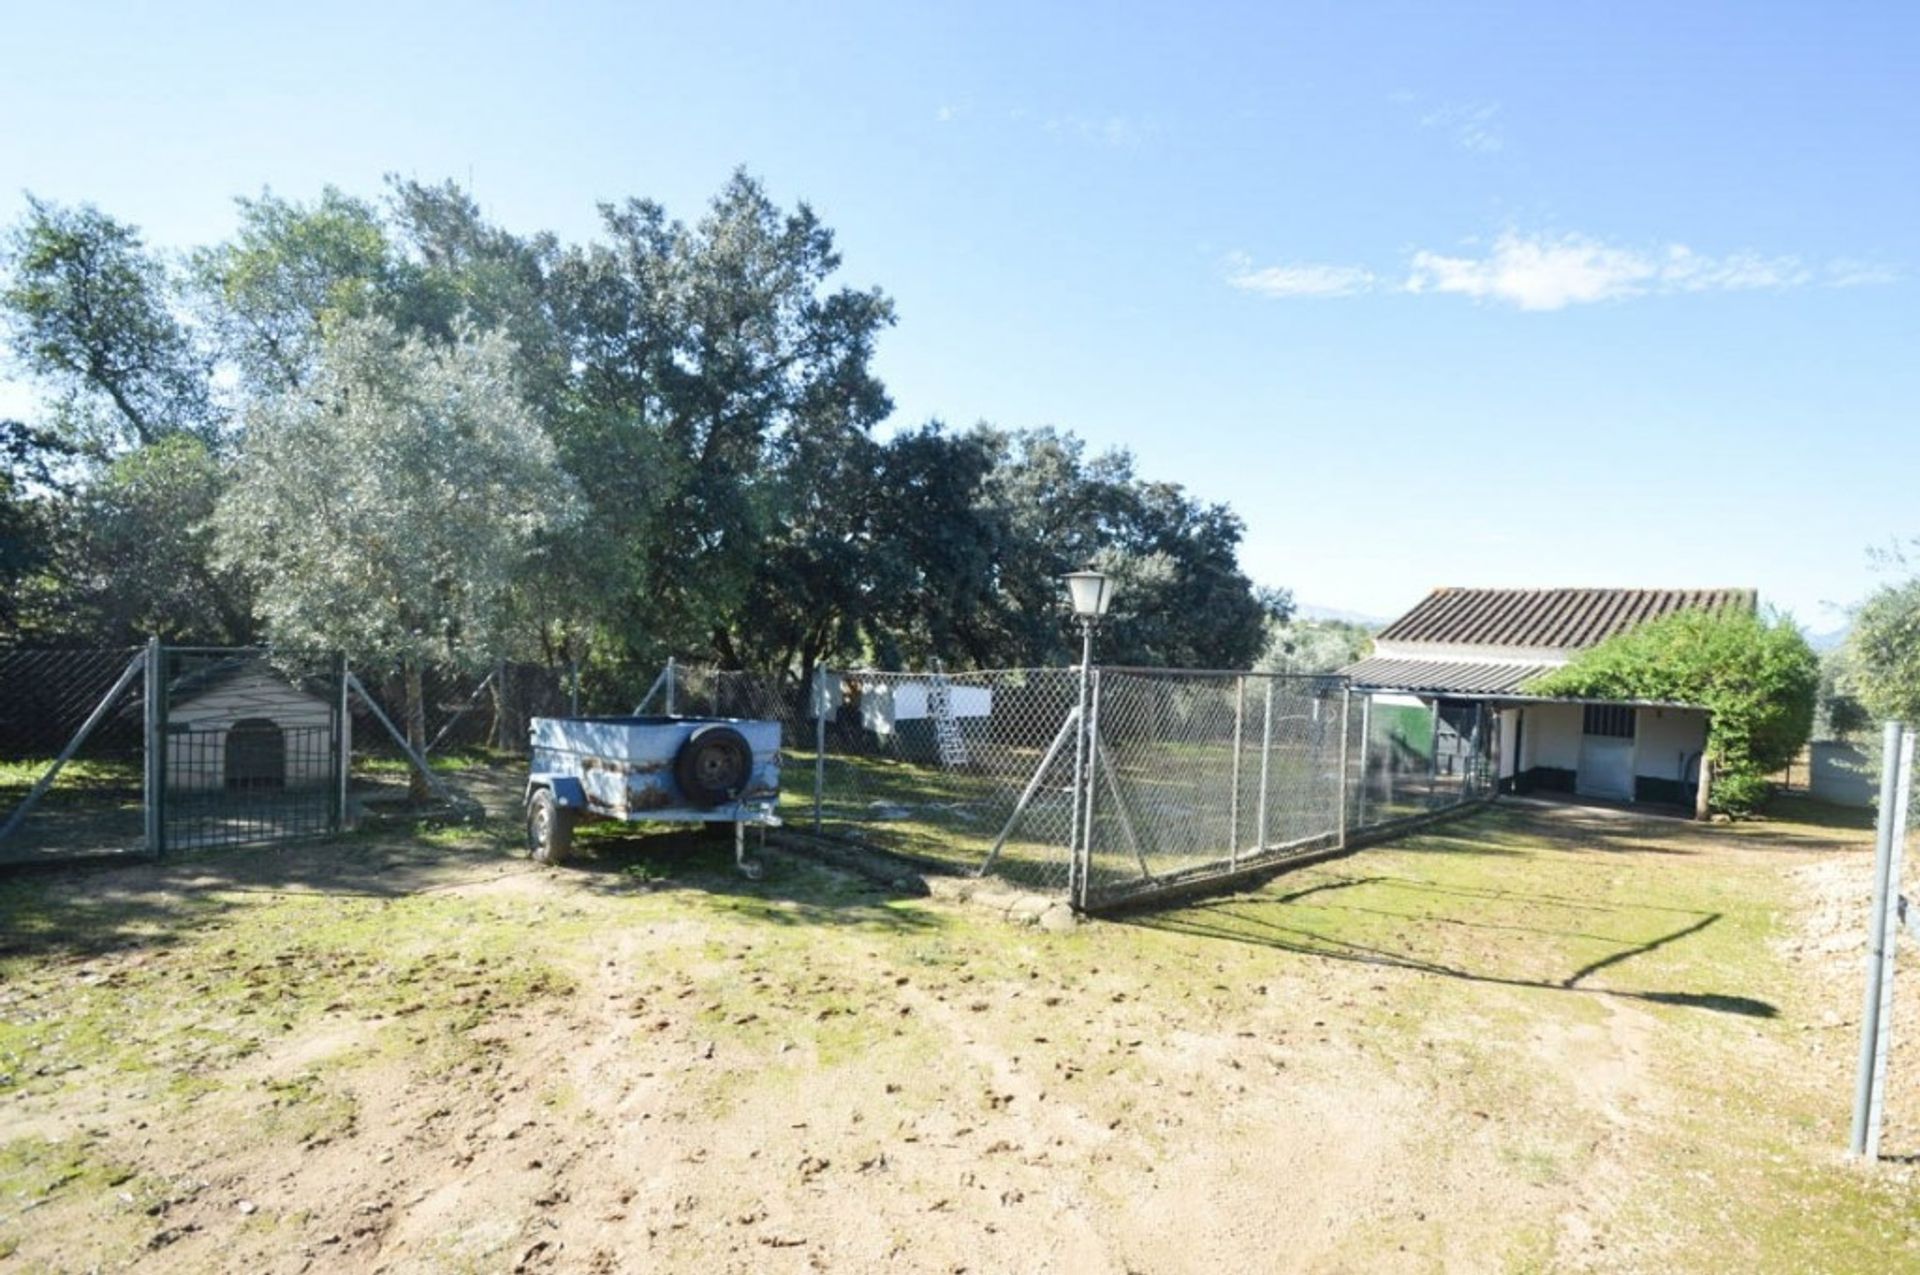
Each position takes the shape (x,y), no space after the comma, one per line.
(1076,884)
(1433,759)
(1896,770)
(573,688)
(1233,794)
(1346,711)
(343,739)
(670,681)
(154,772)
(1266,757)
(1366,747)
(1094,751)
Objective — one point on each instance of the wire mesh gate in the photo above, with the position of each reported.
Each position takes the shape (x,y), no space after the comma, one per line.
(253,747)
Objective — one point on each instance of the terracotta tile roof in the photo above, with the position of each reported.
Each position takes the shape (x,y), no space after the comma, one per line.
(1553,619)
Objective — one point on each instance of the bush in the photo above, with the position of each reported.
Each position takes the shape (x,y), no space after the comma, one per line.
(1757,677)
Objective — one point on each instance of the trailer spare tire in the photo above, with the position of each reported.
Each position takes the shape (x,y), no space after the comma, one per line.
(713,765)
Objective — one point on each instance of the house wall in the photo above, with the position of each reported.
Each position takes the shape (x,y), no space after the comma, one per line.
(196,743)
(1553,736)
(1667,742)
(1666,739)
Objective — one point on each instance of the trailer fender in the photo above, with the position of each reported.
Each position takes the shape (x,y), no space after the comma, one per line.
(567,792)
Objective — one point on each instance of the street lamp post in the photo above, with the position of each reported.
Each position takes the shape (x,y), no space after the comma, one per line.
(1090,592)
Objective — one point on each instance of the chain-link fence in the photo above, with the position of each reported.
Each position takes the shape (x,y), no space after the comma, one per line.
(1195,775)
(95,804)
(249,745)
(1165,777)
(1178,776)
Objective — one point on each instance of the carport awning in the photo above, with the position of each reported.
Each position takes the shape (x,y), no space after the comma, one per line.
(1443,677)
(1475,679)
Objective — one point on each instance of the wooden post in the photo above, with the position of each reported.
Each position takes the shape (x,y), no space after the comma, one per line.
(1706,786)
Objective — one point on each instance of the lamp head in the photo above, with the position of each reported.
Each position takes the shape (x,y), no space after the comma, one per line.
(1090,592)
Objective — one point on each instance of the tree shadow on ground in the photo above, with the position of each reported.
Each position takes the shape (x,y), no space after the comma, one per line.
(1287,922)
(85,911)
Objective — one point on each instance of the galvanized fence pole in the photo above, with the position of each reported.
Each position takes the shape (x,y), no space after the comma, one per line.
(343,742)
(1094,751)
(1366,748)
(1266,759)
(1896,777)
(671,678)
(573,688)
(1433,758)
(154,731)
(1076,881)
(1346,711)
(1239,725)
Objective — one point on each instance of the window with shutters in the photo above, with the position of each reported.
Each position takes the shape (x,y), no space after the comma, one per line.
(1614,721)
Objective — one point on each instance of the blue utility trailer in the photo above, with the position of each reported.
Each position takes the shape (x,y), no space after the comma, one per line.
(663,769)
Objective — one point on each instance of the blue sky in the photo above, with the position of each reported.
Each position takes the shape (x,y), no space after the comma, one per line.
(1472,294)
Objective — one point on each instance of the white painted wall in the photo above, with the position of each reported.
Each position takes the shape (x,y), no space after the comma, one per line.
(1665,739)
(1509,760)
(1552,736)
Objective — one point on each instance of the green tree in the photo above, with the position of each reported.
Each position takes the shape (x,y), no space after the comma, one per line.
(1842,714)
(89,312)
(33,491)
(712,363)
(137,553)
(1313,646)
(1884,651)
(1180,597)
(1756,676)
(387,507)
(288,271)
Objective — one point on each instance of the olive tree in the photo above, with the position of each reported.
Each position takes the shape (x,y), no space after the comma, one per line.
(387,505)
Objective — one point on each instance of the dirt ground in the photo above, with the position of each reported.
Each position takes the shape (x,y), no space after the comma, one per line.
(1542,1039)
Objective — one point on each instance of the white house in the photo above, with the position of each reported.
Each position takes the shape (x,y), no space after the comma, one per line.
(239,725)
(1464,646)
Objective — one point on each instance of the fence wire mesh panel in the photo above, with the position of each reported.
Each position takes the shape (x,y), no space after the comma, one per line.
(87,703)
(971,769)
(254,741)
(1200,775)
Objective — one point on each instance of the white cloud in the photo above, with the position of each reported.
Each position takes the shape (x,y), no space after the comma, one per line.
(1552,272)
(1304,280)
(1541,272)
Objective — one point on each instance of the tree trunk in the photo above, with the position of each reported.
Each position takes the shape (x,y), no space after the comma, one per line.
(503,726)
(417,789)
(1702,794)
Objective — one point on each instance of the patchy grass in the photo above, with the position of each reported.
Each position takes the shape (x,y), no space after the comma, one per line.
(1534,1040)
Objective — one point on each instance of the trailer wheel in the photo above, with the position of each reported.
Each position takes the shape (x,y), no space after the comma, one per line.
(549,829)
(713,765)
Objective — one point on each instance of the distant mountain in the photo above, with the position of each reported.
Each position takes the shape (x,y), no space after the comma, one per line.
(1309,611)
(1830,640)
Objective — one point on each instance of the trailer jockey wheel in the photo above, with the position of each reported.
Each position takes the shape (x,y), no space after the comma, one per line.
(713,765)
(549,829)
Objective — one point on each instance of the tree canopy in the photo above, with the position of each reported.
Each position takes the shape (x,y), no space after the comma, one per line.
(1755,675)
(1884,651)
(700,393)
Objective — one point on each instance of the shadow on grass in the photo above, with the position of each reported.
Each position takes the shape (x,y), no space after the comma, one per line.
(74,913)
(614,859)
(1283,923)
